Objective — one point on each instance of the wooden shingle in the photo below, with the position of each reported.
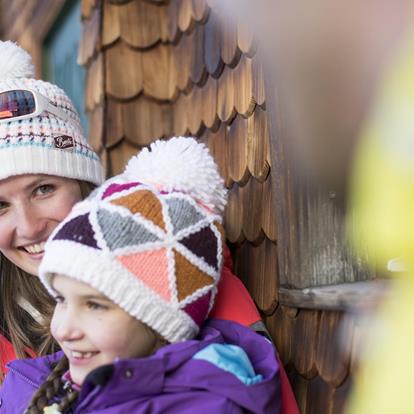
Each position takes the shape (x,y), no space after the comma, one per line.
(281,325)
(244,101)
(225,96)
(209,104)
(118,156)
(140,23)
(86,8)
(94,92)
(89,41)
(180,114)
(123,71)
(111,26)
(212,45)
(96,120)
(333,349)
(140,122)
(257,144)
(269,223)
(233,216)
(237,150)
(216,143)
(114,126)
(185,19)
(259,273)
(304,342)
(320,397)
(252,199)
(245,40)
(195,123)
(156,66)
(258,86)
(230,52)
(200,10)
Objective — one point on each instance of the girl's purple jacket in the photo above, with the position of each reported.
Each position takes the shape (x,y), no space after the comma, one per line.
(170,381)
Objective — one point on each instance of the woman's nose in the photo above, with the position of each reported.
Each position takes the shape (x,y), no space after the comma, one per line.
(30,223)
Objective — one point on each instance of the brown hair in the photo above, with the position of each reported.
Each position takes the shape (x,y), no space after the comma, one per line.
(24,332)
(50,388)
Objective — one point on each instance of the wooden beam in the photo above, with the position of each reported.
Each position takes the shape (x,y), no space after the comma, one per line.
(312,245)
(336,297)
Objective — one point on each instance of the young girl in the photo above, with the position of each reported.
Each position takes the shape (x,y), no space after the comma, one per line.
(134,271)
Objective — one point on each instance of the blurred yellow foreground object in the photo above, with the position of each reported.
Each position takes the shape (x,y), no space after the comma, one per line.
(383,204)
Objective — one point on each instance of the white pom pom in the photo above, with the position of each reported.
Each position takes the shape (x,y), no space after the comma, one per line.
(15,61)
(180,164)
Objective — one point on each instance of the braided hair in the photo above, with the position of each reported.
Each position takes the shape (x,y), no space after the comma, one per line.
(52,387)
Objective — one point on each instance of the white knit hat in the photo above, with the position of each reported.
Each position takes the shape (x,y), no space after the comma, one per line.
(149,239)
(44,144)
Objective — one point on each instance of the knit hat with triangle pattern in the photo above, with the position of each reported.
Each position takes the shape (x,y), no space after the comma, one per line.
(150,239)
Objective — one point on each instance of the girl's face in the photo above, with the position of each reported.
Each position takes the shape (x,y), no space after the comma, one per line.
(31,206)
(93,331)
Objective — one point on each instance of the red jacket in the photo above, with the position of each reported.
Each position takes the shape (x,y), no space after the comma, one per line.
(6,354)
(234,303)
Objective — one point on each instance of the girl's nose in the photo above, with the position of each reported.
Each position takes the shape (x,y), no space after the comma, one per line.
(30,223)
(66,327)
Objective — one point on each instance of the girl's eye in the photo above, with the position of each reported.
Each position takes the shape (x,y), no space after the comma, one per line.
(44,189)
(95,306)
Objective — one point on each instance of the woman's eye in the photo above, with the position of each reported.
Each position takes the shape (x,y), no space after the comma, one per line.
(44,189)
(3,205)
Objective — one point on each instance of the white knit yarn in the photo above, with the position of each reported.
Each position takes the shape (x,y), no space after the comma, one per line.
(29,146)
(180,164)
(15,61)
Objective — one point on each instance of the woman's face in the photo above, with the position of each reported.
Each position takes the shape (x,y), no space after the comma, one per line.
(31,206)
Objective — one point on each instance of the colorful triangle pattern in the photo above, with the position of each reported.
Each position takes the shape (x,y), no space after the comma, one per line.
(145,203)
(116,188)
(203,244)
(78,230)
(189,278)
(199,308)
(122,231)
(152,268)
(182,214)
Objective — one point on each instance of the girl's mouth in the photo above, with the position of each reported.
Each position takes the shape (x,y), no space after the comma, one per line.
(82,355)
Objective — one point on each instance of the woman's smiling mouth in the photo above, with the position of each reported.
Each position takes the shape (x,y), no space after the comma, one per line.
(34,249)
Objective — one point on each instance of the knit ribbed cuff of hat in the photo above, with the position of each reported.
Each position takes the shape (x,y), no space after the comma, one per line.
(46,160)
(101,270)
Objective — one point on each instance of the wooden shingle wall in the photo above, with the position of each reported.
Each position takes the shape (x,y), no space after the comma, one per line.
(163,68)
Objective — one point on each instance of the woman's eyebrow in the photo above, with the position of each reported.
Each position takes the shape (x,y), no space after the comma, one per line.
(36,182)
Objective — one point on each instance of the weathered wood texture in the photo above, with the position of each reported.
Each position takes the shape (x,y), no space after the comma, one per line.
(28,22)
(312,242)
(180,68)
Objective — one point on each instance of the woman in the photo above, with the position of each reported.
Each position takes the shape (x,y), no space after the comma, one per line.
(46,166)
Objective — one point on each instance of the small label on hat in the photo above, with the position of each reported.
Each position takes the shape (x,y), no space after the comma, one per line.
(63,142)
